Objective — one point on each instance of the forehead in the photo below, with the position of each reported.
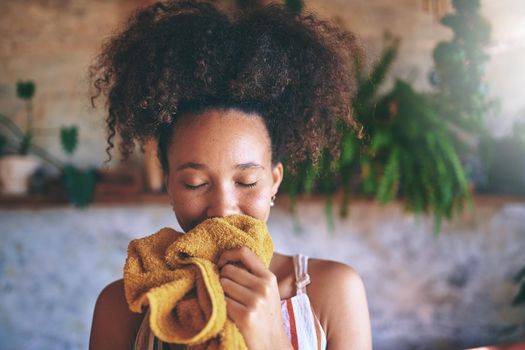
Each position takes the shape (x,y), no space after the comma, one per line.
(219,135)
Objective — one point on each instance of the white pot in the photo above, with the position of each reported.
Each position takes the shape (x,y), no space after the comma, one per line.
(15,172)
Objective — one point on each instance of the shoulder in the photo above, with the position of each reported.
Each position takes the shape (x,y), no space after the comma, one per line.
(334,279)
(326,269)
(114,326)
(339,299)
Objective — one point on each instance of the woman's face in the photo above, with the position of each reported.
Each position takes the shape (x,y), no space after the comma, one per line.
(220,164)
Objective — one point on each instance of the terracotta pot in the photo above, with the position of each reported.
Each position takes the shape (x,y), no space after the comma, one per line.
(15,172)
(154,174)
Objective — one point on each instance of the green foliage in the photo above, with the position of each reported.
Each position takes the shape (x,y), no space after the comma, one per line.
(16,140)
(520,296)
(69,139)
(347,166)
(26,142)
(416,155)
(519,139)
(11,135)
(369,82)
(389,183)
(25,90)
(411,139)
(3,143)
(409,152)
(79,185)
(294,5)
(460,65)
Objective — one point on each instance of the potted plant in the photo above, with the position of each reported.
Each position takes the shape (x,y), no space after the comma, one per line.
(16,164)
(79,183)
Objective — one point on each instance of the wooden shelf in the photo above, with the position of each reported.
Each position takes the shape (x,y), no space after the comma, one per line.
(494,200)
(38,201)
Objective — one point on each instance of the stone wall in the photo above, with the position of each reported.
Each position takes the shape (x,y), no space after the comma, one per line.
(424,292)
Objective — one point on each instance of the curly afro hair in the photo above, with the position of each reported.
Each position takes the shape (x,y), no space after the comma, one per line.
(294,70)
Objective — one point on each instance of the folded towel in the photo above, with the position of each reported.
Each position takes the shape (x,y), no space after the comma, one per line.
(177,276)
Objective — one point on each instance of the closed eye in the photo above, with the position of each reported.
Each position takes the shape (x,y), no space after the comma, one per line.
(194,187)
(253,184)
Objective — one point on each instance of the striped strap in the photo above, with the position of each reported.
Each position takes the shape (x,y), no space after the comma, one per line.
(293,326)
(302,278)
(301,324)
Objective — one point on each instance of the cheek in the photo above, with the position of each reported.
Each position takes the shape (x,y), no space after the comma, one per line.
(187,208)
(257,205)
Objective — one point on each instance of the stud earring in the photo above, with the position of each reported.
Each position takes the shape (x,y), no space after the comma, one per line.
(272,201)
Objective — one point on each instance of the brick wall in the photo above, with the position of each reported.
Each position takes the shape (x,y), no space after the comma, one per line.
(53,42)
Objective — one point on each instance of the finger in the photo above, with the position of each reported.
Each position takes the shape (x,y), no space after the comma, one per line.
(238,275)
(229,256)
(235,310)
(248,258)
(235,291)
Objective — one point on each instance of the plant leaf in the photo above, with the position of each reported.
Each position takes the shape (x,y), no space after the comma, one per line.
(294,5)
(69,139)
(25,89)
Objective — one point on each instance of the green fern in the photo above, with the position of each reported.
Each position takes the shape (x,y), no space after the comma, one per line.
(389,181)
(408,153)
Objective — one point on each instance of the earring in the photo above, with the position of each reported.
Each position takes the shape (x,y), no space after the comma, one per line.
(272,203)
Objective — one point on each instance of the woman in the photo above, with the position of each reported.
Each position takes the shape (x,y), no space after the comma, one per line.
(228,99)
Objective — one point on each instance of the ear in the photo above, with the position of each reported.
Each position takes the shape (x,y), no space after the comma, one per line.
(277,176)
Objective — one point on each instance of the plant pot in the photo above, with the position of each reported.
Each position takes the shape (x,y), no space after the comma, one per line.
(79,185)
(154,173)
(15,172)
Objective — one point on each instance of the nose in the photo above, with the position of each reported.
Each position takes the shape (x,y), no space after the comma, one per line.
(222,202)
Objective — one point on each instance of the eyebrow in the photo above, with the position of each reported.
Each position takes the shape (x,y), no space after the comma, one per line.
(191,165)
(199,166)
(249,165)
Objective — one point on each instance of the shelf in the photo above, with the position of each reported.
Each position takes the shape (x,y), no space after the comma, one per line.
(38,201)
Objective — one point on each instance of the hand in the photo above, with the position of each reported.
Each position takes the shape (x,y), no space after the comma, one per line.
(252,299)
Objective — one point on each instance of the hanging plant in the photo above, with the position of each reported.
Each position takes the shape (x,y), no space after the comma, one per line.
(460,66)
(411,139)
(294,5)
(415,152)
(408,152)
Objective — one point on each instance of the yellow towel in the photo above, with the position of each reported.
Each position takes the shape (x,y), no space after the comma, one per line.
(176,275)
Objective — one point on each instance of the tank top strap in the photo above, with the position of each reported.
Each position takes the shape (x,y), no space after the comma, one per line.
(302,278)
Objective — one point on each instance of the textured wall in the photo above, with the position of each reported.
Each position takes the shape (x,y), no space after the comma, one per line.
(53,42)
(420,32)
(424,292)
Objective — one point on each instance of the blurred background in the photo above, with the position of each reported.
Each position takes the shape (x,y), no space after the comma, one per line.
(428,205)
